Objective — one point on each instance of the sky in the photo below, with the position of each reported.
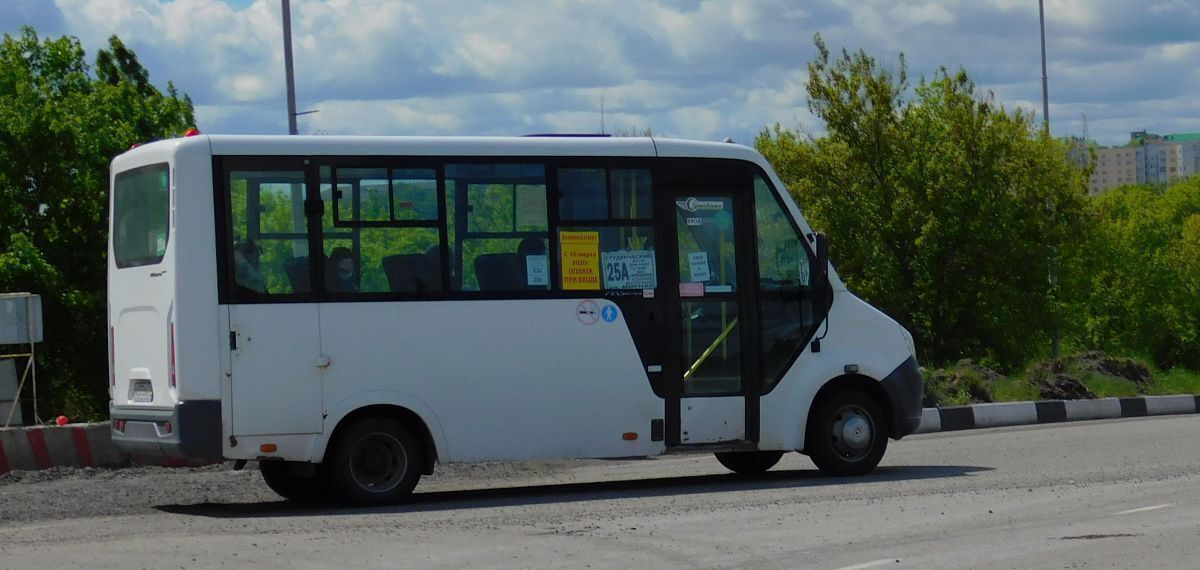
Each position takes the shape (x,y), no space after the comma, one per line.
(700,69)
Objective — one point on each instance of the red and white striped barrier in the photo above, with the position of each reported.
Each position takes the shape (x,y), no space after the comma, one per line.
(72,445)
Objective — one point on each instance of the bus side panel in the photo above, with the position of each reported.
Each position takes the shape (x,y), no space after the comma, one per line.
(197,330)
(857,334)
(507,380)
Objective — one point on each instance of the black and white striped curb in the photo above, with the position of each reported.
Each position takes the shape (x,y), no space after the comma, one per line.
(979,416)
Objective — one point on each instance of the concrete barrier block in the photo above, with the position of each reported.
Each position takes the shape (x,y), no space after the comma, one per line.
(1093,409)
(1165,405)
(104,453)
(17,451)
(931,421)
(60,447)
(1010,414)
(42,447)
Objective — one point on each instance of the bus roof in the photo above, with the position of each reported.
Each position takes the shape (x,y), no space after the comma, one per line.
(459,146)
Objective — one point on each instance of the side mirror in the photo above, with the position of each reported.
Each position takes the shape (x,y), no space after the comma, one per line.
(820,286)
(822,273)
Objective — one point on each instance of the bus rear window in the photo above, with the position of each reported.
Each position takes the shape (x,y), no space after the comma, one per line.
(141,207)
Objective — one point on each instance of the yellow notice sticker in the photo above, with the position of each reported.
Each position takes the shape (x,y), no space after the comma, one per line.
(580,260)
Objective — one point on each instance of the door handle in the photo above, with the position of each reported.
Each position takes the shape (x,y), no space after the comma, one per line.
(323,362)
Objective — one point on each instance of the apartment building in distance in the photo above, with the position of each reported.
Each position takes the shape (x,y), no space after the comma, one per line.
(1147,158)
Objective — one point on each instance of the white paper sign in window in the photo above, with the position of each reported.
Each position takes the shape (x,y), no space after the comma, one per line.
(537,269)
(629,270)
(698,264)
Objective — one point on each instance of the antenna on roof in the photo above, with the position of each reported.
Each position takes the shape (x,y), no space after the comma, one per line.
(602,131)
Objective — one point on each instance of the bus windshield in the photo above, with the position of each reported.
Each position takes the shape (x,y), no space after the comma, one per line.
(141,207)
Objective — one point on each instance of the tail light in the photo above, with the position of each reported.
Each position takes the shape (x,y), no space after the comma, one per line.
(171,363)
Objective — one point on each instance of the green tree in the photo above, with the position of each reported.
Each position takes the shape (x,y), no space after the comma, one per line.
(1139,290)
(945,210)
(60,125)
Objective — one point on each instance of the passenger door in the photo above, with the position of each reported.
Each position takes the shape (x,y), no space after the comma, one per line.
(274,336)
(712,347)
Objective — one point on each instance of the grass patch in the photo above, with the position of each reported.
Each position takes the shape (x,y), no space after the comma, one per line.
(1109,386)
(967,382)
(1175,381)
(1014,390)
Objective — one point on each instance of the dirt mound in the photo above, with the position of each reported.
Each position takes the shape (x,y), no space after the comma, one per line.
(1061,386)
(975,381)
(1062,378)
(1099,363)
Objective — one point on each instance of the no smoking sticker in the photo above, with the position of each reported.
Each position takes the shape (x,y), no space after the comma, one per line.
(588,312)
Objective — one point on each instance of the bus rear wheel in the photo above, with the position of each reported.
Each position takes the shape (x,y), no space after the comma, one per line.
(375,461)
(299,482)
(749,462)
(847,433)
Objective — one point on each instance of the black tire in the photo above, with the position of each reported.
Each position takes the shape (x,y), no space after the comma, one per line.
(299,482)
(374,461)
(847,433)
(749,462)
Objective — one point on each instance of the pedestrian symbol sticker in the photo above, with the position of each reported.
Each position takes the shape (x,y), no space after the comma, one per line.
(609,313)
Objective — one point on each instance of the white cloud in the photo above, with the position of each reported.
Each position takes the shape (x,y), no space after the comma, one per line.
(417,117)
(694,68)
(917,14)
(703,121)
(1182,51)
(244,87)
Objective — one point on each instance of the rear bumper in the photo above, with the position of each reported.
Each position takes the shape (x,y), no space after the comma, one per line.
(191,429)
(905,389)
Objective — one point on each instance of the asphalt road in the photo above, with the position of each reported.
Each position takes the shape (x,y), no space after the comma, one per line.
(1112,494)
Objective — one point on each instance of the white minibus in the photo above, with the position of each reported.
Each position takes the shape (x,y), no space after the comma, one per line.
(352,311)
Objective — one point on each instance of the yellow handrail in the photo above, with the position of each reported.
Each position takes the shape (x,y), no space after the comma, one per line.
(708,351)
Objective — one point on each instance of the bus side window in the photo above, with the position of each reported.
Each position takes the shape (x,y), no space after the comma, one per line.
(268,239)
(498,227)
(606,237)
(381,230)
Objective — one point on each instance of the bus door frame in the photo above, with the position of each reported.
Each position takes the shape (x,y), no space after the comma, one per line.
(677,179)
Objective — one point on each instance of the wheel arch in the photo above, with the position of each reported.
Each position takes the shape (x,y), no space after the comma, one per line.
(860,382)
(423,427)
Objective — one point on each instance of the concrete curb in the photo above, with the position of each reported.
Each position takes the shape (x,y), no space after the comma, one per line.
(980,416)
(90,445)
(73,445)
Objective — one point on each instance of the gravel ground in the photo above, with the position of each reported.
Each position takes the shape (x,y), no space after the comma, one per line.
(63,493)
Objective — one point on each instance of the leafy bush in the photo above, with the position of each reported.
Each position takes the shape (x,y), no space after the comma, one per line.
(1136,284)
(936,199)
(61,125)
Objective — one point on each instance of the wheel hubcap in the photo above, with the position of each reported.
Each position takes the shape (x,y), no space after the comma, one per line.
(378,463)
(852,433)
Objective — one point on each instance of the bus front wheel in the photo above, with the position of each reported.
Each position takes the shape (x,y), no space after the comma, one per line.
(294,481)
(749,462)
(375,461)
(847,433)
